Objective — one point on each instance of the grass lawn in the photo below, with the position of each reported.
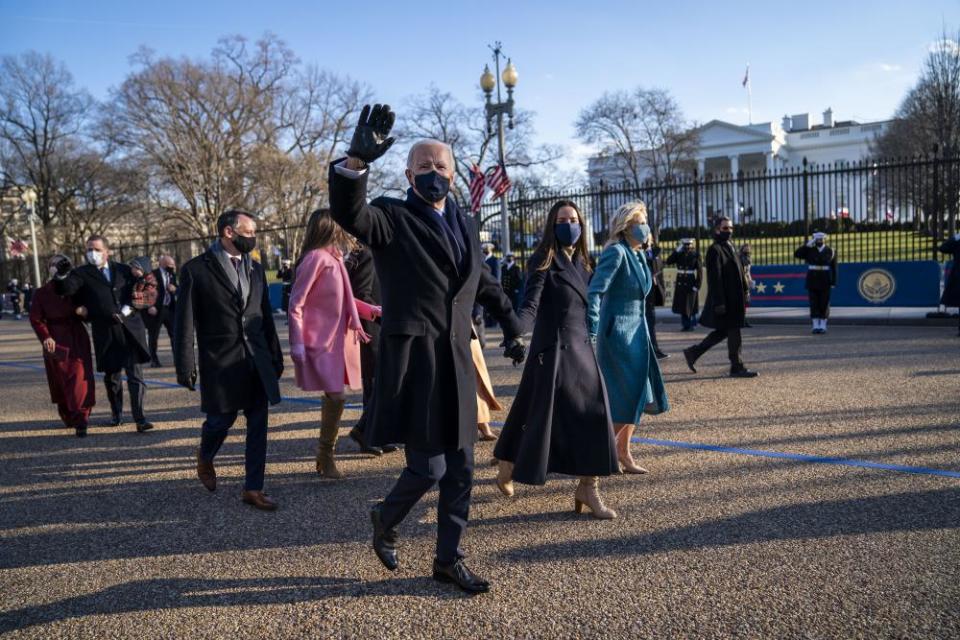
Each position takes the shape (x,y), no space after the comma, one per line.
(852,246)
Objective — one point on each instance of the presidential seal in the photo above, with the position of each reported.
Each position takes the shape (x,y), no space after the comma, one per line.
(876,285)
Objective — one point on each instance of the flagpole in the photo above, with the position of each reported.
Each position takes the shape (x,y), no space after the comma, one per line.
(749,97)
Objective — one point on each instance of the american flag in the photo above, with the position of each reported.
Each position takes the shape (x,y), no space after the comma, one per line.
(18,248)
(746,77)
(478,184)
(498,181)
(889,215)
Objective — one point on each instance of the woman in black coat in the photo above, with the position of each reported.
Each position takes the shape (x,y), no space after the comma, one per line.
(951,292)
(560,419)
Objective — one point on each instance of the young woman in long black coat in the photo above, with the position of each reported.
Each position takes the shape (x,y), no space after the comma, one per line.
(560,419)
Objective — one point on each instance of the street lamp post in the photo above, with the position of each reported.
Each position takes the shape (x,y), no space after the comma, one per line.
(29,198)
(498,109)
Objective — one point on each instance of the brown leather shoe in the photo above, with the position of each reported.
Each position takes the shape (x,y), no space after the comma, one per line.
(259,500)
(206,473)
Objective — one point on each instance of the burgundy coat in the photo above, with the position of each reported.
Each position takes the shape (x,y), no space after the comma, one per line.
(70,368)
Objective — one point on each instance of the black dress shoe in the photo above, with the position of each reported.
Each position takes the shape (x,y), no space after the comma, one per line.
(743,373)
(661,355)
(384,540)
(82,431)
(689,357)
(393,446)
(357,436)
(115,421)
(144,426)
(458,574)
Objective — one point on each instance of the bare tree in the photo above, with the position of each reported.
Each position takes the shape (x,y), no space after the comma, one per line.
(928,119)
(199,122)
(644,137)
(42,120)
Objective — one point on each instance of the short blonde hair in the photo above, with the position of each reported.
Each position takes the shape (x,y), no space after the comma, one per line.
(626,215)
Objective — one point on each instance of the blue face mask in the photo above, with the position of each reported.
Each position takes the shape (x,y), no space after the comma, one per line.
(432,187)
(567,233)
(641,232)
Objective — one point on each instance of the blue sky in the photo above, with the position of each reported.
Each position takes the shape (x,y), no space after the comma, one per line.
(856,57)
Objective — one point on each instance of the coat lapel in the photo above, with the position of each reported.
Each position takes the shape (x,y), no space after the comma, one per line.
(563,268)
(217,269)
(431,226)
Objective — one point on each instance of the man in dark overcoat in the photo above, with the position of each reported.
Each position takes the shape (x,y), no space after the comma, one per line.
(103,292)
(512,280)
(428,259)
(951,292)
(223,301)
(686,289)
(821,277)
(656,296)
(725,309)
(163,311)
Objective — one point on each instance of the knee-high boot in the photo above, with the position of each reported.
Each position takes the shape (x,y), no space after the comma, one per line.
(329,425)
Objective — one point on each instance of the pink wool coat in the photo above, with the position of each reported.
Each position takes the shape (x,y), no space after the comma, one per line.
(324,317)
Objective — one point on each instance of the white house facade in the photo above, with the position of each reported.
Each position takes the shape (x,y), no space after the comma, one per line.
(758,153)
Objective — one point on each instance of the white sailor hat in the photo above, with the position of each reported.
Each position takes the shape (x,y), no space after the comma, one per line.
(819,235)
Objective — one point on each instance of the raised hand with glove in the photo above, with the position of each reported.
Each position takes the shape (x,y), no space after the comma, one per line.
(371,139)
(187,379)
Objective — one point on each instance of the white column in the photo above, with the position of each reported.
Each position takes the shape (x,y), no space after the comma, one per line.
(771,195)
(734,170)
(701,176)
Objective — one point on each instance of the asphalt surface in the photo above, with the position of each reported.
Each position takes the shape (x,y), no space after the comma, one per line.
(113,536)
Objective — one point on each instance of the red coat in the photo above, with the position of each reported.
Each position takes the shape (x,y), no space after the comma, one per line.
(70,368)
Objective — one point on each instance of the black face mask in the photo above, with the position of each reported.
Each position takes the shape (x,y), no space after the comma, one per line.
(819,243)
(723,236)
(244,244)
(170,270)
(432,187)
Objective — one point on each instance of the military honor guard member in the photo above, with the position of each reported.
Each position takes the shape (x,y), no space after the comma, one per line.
(821,277)
(686,290)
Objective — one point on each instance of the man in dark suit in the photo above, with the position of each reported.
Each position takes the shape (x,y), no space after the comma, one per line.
(428,259)
(103,292)
(656,296)
(162,314)
(726,306)
(223,300)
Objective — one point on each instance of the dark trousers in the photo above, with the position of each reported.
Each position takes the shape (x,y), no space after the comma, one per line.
(819,303)
(164,318)
(734,342)
(453,470)
(651,313)
(214,432)
(688,322)
(368,365)
(113,380)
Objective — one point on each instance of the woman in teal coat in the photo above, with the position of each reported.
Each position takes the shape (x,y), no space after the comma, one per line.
(616,320)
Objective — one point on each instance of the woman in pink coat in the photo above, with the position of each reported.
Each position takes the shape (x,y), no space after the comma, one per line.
(325,332)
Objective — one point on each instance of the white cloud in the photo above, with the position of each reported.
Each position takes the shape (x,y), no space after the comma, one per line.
(889,68)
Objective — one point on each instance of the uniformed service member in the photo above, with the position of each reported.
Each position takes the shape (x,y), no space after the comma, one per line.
(686,290)
(821,277)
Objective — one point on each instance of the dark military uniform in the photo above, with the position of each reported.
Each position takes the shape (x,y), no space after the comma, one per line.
(821,277)
(686,291)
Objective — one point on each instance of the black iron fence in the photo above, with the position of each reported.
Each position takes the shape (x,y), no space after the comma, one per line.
(874,211)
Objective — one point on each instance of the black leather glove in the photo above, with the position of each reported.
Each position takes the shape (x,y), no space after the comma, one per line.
(63,267)
(188,380)
(514,349)
(370,139)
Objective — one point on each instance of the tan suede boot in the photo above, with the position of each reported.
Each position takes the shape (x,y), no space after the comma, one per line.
(329,426)
(505,478)
(588,493)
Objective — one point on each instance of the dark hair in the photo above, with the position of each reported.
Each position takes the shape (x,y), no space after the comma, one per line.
(720,220)
(229,218)
(548,246)
(322,231)
(103,239)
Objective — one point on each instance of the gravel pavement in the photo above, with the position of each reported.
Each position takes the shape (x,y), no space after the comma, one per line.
(114,537)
